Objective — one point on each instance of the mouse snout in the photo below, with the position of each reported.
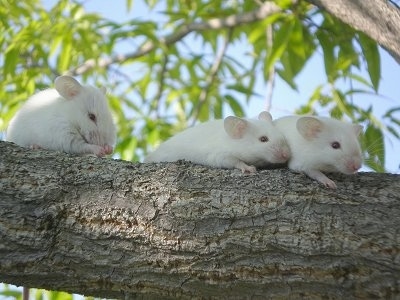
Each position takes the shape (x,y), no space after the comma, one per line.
(353,165)
(282,153)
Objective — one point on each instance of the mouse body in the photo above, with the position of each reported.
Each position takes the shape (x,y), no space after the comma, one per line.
(71,118)
(234,142)
(321,144)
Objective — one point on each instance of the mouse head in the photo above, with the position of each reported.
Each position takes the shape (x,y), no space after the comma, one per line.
(334,143)
(257,141)
(89,111)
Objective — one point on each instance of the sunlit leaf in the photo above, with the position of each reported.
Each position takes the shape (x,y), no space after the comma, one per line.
(375,148)
(279,44)
(372,58)
(234,105)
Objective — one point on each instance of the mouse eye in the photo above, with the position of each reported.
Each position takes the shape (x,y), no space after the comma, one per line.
(92,117)
(335,145)
(263,139)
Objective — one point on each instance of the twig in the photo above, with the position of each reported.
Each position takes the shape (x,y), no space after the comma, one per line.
(211,77)
(271,72)
(161,81)
(267,9)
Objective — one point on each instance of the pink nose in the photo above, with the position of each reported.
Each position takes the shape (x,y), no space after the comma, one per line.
(354,166)
(283,155)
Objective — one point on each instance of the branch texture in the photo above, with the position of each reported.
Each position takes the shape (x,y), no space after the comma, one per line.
(118,229)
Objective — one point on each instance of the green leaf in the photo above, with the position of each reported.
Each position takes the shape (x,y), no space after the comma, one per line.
(280,41)
(373,143)
(13,294)
(11,60)
(234,104)
(243,89)
(341,103)
(393,131)
(129,4)
(64,58)
(328,52)
(372,58)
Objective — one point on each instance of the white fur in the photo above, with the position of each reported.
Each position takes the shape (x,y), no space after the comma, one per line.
(58,119)
(229,143)
(310,140)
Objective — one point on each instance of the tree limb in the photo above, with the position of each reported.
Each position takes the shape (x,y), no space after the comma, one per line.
(118,229)
(378,19)
(265,10)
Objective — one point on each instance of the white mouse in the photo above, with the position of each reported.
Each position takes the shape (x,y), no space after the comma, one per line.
(70,118)
(230,143)
(321,144)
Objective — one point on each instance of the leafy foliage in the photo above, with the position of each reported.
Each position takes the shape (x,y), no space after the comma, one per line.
(10,292)
(171,81)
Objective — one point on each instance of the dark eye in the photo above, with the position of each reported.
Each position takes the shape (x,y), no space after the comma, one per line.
(335,145)
(263,139)
(92,117)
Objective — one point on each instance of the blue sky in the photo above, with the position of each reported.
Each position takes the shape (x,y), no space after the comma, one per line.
(285,100)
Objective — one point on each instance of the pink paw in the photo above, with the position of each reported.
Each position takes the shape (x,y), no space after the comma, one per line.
(108,149)
(102,151)
(249,170)
(34,147)
(329,183)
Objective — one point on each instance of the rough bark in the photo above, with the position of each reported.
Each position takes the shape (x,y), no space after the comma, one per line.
(118,229)
(379,19)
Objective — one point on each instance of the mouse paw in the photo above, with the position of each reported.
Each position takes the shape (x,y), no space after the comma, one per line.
(35,147)
(108,149)
(97,150)
(248,169)
(101,151)
(329,183)
(320,177)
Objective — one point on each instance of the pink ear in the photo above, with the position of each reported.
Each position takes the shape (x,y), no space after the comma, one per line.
(235,127)
(357,129)
(265,116)
(309,127)
(67,87)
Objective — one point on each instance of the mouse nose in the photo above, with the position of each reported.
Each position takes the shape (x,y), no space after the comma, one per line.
(283,155)
(353,166)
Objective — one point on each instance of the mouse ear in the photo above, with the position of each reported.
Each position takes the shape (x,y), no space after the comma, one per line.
(357,129)
(67,87)
(309,127)
(265,116)
(235,127)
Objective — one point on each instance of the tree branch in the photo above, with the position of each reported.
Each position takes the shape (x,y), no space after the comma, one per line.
(378,19)
(267,9)
(118,229)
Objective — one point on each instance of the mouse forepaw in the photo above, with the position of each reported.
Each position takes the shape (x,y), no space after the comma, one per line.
(35,147)
(321,177)
(246,169)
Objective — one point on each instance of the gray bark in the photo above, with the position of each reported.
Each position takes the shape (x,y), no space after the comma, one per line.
(118,229)
(378,19)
